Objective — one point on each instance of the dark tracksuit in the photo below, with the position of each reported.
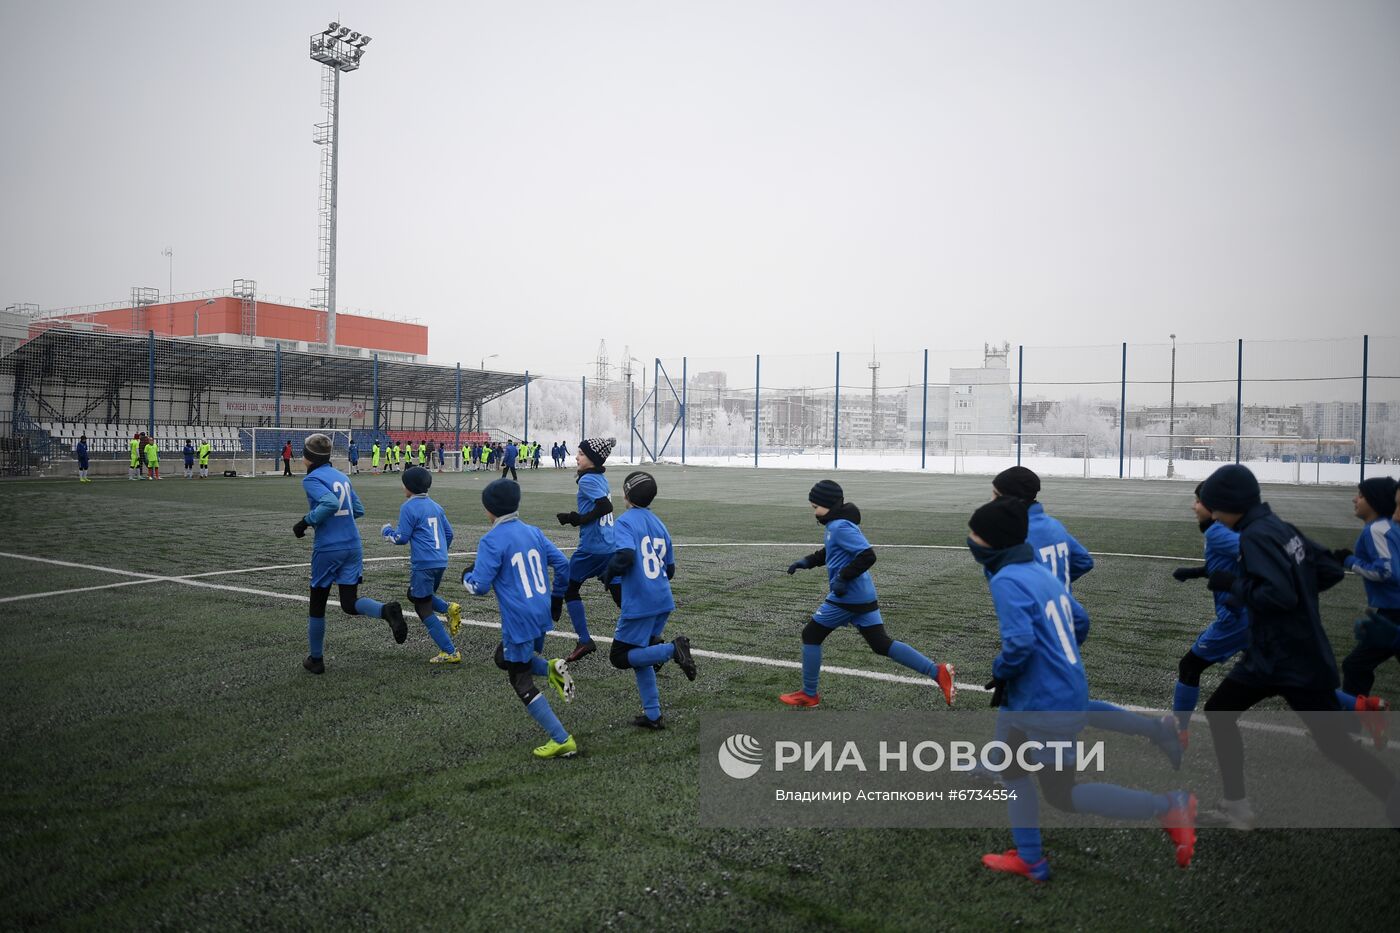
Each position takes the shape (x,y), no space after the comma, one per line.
(1280,575)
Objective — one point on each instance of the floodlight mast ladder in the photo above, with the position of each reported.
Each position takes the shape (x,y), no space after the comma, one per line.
(338,49)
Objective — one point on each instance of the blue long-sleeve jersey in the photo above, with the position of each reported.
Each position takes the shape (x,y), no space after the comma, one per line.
(188,451)
(646,586)
(595,537)
(80,450)
(1055,547)
(843,542)
(1223,553)
(1377,561)
(511,558)
(423,525)
(1042,626)
(512,452)
(334,506)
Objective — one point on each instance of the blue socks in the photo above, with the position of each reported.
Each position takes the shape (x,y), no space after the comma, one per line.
(1347,700)
(811,668)
(365,606)
(912,659)
(1024,811)
(315,636)
(539,666)
(438,631)
(1184,703)
(1119,803)
(576,616)
(646,686)
(646,657)
(541,712)
(439,604)
(1116,719)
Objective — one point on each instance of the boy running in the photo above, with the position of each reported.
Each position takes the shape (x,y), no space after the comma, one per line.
(424,527)
(644,563)
(594,521)
(848,558)
(336,555)
(510,559)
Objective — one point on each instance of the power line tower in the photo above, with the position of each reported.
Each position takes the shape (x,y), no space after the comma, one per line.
(338,49)
(874,366)
(600,373)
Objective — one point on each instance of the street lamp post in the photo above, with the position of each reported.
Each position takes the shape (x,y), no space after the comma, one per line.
(1171,417)
(206,304)
(169,254)
(485,358)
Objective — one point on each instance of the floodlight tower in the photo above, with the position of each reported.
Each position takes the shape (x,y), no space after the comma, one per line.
(874,366)
(338,49)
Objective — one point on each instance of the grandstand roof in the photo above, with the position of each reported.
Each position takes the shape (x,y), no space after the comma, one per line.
(213,365)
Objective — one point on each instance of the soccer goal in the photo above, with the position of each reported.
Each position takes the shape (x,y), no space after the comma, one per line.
(1275,458)
(990,453)
(260,452)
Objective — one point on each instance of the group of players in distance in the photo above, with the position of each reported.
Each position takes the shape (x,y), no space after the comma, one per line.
(1264,574)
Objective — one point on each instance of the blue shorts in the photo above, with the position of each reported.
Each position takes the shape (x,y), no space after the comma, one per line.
(82,463)
(1220,642)
(422,584)
(640,631)
(834,616)
(585,566)
(343,568)
(522,652)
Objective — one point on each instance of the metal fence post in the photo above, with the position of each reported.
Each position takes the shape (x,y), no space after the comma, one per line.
(1122,409)
(583,408)
(685,395)
(151,382)
(1365,375)
(923,427)
(527,403)
(277,387)
(376,397)
(836,420)
(631,424)
(757,383)
(457,442)
(1020,373)
(1239,396)
(655,410)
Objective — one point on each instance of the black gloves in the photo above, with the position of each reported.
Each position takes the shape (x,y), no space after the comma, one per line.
(1182,574)
(1340,555)
(556,607)
(998,688)
(797,565)
(839,585)
(299,529)
(468,572)
(670,571)
(567,518)
(1221,581)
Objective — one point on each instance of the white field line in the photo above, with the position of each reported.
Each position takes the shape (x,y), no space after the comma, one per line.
(80,589)
(718,655)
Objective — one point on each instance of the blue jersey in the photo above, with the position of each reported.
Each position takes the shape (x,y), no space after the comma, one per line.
(189,455)
(1377,561)
(1042,626)
(1055,547)
(333,509)
(1223,553)
(510,559)
(844,541)
(353,454)
(81,452)
(423,526)
(595,537)
(511,453)
(646,586)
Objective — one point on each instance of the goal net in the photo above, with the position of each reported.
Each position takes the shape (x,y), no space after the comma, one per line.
(260,452)
(990,453)
(1274,458)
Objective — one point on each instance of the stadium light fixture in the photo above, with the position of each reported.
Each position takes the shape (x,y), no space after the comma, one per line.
(330,29)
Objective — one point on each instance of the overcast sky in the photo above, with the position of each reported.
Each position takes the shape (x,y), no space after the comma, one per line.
(723,178)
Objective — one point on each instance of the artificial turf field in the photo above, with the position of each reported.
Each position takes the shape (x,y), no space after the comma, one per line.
(168,763)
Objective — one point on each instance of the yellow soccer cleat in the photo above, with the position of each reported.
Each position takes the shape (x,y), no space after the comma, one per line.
(552,749)
(443,657)
(560,679)
(454,619)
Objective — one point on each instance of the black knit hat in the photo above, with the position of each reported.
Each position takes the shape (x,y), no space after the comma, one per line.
(501,497)
(1019,482)
(1232,488)
(1379,493)
(417,480)
(1002,523)
(597,448)
(316,448)
(827,494)
(639,488)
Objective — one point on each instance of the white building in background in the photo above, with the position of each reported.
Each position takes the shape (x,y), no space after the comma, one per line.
(976,400)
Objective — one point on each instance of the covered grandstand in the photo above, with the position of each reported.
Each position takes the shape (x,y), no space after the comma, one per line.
(63,383)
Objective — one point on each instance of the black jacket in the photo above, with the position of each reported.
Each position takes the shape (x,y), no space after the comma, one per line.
(1281,573)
